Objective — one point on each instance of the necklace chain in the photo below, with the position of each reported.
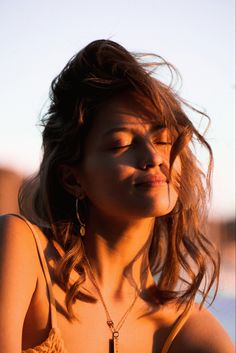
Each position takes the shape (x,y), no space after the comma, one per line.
(114,329)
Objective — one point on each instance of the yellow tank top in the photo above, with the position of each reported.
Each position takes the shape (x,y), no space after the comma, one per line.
(54,342)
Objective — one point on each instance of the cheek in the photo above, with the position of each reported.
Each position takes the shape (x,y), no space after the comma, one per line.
(107,186)
(103,175)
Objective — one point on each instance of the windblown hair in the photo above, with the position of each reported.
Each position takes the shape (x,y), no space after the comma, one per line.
(181,257)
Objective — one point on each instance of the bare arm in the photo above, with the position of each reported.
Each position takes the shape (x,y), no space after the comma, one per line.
(18,279)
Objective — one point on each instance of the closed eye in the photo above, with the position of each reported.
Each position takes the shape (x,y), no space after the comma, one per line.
(120,147)
(162,143)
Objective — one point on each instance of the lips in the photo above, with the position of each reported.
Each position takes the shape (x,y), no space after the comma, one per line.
(151,180)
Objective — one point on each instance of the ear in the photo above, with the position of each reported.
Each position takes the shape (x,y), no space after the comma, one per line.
(70,180)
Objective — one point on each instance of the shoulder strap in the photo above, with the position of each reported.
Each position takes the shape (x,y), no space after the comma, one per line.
(177,327)
(52,303)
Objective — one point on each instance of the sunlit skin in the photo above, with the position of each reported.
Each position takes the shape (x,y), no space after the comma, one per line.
(125,177)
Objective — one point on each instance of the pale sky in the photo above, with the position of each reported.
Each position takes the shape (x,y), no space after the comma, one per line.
(38,38)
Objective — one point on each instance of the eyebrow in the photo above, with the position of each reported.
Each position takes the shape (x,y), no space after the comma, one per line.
(127,129)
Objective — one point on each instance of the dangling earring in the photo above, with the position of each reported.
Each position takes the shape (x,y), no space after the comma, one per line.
(82,225)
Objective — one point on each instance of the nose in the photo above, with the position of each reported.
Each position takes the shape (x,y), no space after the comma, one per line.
(149,157)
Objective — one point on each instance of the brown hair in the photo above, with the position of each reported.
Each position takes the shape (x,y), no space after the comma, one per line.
(102,70)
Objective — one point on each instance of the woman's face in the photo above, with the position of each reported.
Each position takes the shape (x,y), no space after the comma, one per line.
(125,170)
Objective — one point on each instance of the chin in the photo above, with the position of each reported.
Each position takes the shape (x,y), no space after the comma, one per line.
(155,202)
(163,206)
(154,208)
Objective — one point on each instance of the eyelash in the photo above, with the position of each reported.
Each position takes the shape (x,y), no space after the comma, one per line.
(162,143)
(120,147)
(156,142)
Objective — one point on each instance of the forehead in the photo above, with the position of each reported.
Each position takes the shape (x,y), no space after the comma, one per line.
(128,110)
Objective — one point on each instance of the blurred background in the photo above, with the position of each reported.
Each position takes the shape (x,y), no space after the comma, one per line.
(198,37)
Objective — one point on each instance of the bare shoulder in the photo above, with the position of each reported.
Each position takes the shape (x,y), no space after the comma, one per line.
(203,333)
(18,256)
(14,231)
(19,264)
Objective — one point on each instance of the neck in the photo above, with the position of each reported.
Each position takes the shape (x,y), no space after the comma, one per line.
(118,255)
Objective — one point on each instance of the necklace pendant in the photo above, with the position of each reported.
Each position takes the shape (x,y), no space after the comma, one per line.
(115,341)
(111,346)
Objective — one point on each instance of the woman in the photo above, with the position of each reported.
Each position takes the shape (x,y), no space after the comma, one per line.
(119,199)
